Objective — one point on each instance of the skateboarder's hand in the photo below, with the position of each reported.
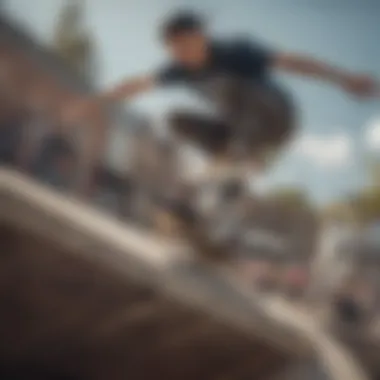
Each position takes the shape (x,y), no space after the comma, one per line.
(362,86)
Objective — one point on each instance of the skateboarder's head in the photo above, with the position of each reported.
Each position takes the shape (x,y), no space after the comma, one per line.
(185,36)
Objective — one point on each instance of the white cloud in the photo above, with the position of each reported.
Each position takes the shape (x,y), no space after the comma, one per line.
(330,152)
(372,133)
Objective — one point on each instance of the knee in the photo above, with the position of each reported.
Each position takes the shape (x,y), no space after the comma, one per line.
(178,123)
(184,126)
(178,119)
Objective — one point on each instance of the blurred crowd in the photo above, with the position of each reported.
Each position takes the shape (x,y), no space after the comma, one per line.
(34,133)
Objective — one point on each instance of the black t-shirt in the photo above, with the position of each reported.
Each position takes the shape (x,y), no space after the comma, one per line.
(239,60)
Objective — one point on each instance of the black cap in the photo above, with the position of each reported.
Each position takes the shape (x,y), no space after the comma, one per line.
(182,22)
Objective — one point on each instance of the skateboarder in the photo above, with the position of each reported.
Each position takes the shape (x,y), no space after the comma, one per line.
(256,117)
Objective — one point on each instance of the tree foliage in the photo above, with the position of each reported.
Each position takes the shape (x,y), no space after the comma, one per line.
(71,40)
(364,206)
(292,197)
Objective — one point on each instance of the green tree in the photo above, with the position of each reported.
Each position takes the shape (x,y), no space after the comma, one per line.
(292,197)
(342,211)
(374,171)
(367,205)
(363,207)
(367,202)
(72,40)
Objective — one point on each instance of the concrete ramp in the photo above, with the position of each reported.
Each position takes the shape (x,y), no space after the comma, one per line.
(88,297)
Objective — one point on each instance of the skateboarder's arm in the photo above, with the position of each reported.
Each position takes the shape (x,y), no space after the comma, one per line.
(130,88)
(125,90)
(358,84)
(304,65)
(170,74)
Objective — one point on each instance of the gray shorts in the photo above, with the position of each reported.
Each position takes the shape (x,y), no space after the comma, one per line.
(265,125)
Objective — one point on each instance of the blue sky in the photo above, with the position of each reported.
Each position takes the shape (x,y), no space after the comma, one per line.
(327,156)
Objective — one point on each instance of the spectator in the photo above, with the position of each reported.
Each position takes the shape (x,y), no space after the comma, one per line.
(113,191)
(348,309)
(56,162)
(12,123)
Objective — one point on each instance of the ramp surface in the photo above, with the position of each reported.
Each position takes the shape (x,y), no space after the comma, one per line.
(86,296)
